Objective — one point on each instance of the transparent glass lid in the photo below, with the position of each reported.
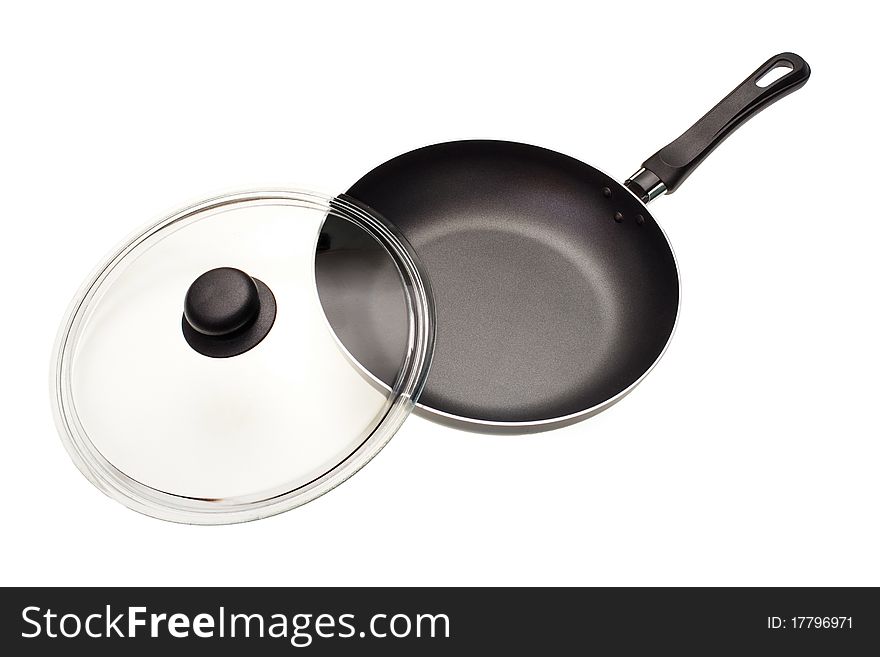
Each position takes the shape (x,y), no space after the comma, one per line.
(196,376)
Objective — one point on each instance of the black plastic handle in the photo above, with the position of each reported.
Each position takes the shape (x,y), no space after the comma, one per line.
(672,164)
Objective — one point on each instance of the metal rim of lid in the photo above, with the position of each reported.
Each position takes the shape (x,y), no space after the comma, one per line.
(168,506)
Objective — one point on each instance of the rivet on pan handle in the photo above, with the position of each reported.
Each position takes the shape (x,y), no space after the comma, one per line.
(671,165)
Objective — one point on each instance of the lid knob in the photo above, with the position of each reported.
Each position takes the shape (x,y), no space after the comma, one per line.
(226,312)
(221,301)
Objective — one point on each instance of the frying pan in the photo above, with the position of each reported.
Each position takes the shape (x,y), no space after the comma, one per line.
(555,289)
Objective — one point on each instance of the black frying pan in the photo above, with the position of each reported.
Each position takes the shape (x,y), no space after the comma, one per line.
(556,291)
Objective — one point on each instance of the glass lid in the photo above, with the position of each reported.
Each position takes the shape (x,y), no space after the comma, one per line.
(196,377)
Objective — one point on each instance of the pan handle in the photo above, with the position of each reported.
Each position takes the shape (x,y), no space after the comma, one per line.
(671,165)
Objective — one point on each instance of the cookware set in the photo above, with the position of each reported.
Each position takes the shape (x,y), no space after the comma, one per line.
(246,354)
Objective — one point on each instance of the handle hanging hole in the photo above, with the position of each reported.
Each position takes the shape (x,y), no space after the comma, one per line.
(777,72)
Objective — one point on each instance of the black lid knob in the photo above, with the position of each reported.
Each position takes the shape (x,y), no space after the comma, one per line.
(221,301)
(226,312)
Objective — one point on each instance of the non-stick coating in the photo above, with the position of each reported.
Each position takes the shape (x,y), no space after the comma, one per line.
(547,305)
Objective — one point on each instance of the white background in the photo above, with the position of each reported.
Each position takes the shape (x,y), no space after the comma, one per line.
(749,456)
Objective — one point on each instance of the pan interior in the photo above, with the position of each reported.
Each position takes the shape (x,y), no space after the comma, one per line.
(547,305)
